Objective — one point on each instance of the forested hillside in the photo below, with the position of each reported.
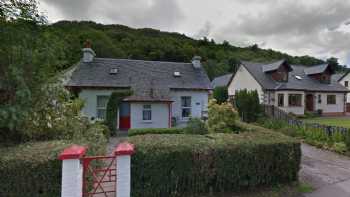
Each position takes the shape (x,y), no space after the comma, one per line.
(118,41)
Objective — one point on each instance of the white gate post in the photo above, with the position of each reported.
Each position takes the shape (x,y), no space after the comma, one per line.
(72,171)
(123,154)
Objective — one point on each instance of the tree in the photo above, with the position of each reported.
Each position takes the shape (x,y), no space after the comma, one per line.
(248,105)
(220,94)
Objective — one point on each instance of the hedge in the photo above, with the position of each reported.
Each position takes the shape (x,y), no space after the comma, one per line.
(33,169)
(133,132)
(178,165)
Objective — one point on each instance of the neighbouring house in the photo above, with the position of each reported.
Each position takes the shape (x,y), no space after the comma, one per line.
(343,79)
(164,93)
(221,81)
(293,88)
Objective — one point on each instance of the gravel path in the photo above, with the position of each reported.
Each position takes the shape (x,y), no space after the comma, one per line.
(327,172)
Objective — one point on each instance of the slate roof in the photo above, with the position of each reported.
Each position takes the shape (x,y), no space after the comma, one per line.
(337,77)
(221,80)
(306,83)
(273,66)
(149,80)
(316,69)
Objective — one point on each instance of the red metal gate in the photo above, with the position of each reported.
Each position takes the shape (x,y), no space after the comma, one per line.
(99,176)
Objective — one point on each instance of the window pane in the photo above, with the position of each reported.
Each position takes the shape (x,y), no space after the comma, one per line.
(280,100)
(331,99)
(146,115)
(147,107)
(186,101)
(101,114)
(294,100)
(186,112)
(102,101)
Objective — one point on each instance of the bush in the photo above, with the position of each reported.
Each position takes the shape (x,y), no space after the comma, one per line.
(32,169)
(220,94)
(221,118)
(248,105)
(347,140)
(133,132)
(114,101)
(179,165)
(196,126)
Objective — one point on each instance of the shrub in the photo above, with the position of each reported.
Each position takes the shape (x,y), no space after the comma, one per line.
(179,165)
(112,108)
(133,132)
(221,118)
(347,140)
(220,94)
(196,126)
(248,105)
(32,169)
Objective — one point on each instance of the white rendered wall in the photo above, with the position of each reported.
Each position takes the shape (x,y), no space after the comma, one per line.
(160,115)
(89,96)
(123,176)
(199,103)
(244,80)
(338,107)
(292,109)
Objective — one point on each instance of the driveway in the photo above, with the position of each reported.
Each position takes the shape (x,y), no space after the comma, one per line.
(327,172)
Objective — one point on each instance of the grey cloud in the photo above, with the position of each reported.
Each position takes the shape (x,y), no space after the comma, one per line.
(204,31)
(137,13)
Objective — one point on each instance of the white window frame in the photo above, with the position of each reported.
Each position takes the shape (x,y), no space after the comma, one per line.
(186,107)
(101,107)
(147,109)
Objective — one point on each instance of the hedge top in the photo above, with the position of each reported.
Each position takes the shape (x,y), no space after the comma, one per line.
(73,152)
(124,148)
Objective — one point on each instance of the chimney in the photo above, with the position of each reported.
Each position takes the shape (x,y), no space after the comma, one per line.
(88,53)
(196,61)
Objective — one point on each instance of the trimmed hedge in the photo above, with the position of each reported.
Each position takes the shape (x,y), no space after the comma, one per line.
(177,165)
(133,132)
(31,169)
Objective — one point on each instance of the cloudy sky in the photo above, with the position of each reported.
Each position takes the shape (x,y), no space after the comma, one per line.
(319,28)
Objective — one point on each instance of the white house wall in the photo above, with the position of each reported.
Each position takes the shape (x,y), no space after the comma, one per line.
(199,103)
(342,82)
(160,115)
(244,80)
(333,108)
(89,96)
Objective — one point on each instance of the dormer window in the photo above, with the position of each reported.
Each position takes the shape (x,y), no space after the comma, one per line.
(279,71)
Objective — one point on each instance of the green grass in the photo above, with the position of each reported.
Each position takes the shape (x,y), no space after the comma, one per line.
(331,121)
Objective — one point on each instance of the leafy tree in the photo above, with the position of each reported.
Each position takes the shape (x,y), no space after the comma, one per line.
(221,118)
(220,94)
(248,105)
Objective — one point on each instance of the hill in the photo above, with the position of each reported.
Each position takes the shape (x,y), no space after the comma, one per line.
(118,41)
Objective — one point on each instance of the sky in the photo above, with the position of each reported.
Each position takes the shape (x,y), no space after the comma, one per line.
(319,28)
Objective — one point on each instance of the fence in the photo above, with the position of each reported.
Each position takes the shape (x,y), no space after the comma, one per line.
(109,178)
(278,114)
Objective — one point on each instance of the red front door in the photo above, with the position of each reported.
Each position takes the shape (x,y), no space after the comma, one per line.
(124,116)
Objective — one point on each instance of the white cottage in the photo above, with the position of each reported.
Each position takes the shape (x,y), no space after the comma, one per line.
(163,92)
(293,88)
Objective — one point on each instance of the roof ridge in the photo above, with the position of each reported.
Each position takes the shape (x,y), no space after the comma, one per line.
(102,58)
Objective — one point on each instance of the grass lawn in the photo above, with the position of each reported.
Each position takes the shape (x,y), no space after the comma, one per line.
(331,121)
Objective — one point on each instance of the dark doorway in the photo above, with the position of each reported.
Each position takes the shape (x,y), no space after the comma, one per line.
(309,102)
(124,116)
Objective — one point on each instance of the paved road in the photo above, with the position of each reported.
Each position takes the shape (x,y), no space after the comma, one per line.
(327,172)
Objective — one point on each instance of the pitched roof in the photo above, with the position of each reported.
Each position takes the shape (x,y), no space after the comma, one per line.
(149,80)
(316,69)
(221,80)
(305,82)
(273,66)
(337,77)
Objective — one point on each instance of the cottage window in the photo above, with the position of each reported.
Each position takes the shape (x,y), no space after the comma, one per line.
(331,99)
(319,98)
(294,100)
(346,83)
(186,106)
(280,100)
(147,112)
(101,107)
